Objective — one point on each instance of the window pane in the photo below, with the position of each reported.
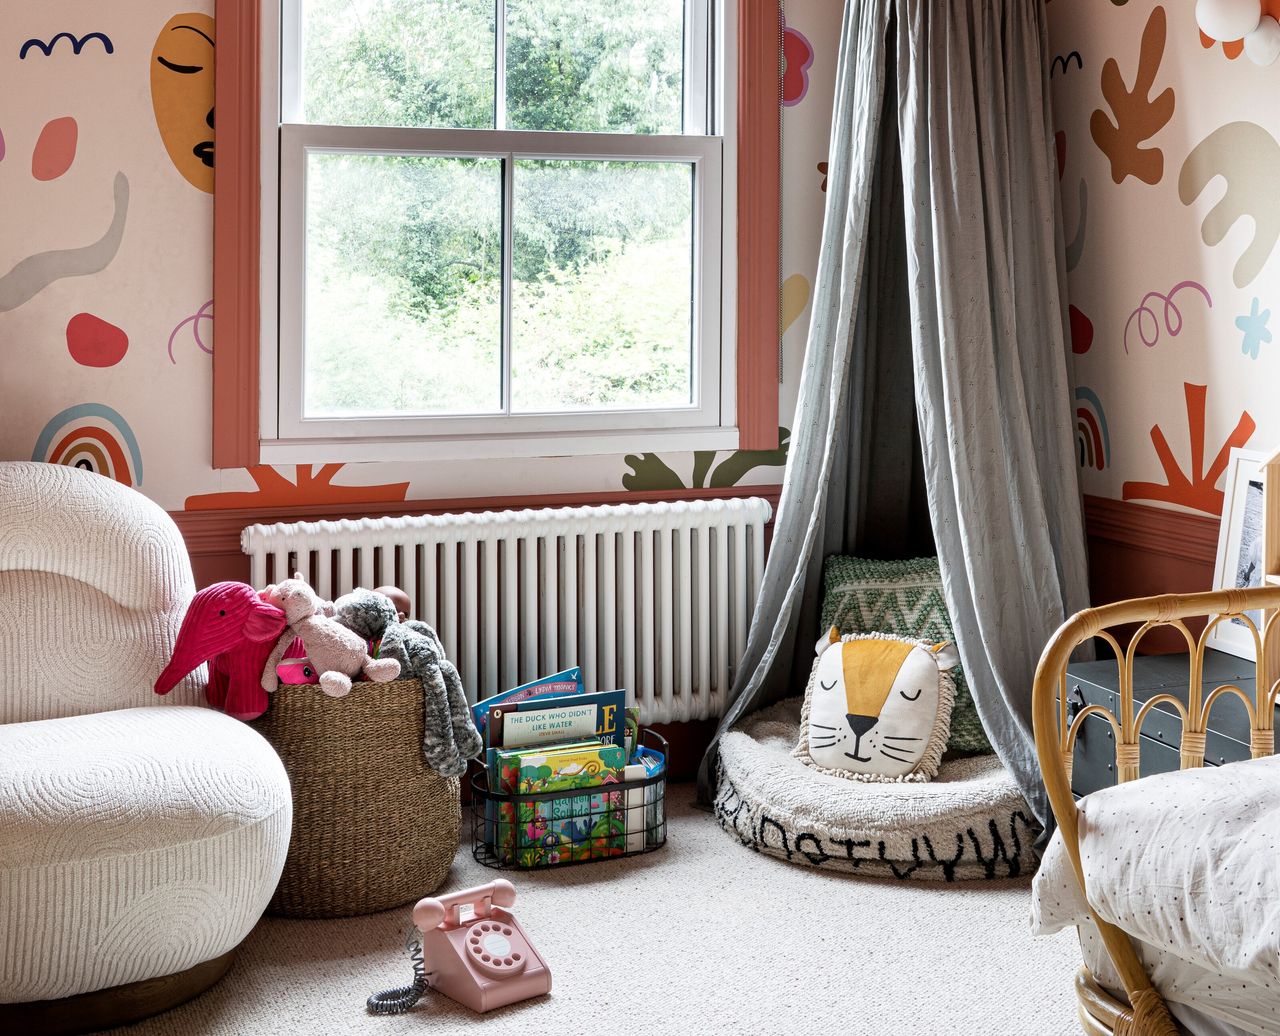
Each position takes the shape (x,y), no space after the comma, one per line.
(403,285)
(592,66)
(601,304)
(398,62)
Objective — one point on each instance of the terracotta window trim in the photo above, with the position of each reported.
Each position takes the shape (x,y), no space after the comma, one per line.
(237,228)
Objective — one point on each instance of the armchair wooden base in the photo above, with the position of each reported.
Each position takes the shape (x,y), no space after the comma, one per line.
(119,1005)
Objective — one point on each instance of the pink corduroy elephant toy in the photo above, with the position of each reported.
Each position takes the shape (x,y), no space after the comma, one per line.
(229,626)
(335,652)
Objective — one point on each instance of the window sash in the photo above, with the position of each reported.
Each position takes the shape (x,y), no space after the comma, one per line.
(709,367)
(710,47)
(702,113)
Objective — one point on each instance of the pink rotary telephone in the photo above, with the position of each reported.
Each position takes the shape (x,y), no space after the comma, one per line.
(483,961)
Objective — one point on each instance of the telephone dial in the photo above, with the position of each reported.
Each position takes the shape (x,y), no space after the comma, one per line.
(482,959)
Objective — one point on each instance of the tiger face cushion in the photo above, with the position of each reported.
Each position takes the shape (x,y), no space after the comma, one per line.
(878,707)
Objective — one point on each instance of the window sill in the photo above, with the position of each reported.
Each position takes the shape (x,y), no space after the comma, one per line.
(503,447)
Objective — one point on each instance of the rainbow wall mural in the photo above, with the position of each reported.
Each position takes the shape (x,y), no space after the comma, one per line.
(94,437)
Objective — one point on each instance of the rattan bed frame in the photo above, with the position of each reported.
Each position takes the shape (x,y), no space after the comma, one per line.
(1145,1013)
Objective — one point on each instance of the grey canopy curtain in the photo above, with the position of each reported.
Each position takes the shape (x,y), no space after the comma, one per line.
(939,277)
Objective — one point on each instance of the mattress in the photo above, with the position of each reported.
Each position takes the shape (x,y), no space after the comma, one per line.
(1204,1002)
(1185,864)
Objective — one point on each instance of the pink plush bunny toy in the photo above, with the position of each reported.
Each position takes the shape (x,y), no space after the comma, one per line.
(336,653)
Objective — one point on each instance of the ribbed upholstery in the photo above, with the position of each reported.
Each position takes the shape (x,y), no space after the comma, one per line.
(55,518)
(89,654)
(94,581)
(135,842)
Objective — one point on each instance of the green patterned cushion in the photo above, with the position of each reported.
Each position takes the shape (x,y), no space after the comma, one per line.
(903,598)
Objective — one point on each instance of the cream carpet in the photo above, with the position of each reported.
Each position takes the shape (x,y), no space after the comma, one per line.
(702,936)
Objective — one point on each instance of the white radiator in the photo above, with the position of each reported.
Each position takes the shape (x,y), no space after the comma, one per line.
(654,598)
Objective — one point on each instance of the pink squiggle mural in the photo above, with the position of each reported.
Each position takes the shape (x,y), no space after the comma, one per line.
(205,312)
(1149,322)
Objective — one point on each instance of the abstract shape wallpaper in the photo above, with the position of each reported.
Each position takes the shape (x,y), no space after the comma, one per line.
(1167,155)
(1179,274)
(107,156)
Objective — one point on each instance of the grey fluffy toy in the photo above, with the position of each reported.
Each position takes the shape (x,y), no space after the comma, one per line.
(450,737)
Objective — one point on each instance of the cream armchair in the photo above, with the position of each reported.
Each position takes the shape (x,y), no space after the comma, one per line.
(140,837)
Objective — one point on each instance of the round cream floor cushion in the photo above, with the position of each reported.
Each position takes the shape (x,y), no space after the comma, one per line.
(133,844)
(968,822)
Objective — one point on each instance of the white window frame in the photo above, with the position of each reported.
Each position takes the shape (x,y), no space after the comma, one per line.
(708,422)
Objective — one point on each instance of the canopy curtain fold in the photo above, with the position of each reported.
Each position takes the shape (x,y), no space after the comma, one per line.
(941,243)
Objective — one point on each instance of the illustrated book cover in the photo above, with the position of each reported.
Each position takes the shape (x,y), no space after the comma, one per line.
(569,827)
(558,684)
(609,724)
(503,769)
(547,720)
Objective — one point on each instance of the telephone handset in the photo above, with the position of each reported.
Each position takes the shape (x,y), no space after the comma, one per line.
(483,960)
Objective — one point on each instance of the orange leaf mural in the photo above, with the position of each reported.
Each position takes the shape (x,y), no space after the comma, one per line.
(1198,488)
(274,490)
(1137,117)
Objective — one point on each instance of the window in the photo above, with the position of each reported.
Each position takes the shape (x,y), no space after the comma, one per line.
(248,270)
(500,229)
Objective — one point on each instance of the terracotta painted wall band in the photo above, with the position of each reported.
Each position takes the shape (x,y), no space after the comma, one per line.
(1134,550)
(759,221)
(1153,530)
(236,223)
(1141,551)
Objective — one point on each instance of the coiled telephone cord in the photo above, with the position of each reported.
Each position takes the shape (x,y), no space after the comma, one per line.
(402,998)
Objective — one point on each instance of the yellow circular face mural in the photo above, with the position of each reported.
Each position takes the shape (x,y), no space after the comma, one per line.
(182,95)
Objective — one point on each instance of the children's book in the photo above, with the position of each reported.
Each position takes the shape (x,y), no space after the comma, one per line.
(635,807)
(632,720)
(567,682)
(570,827)
(644,805)
(509,727)
(503,768)
(655,821)
(610,726)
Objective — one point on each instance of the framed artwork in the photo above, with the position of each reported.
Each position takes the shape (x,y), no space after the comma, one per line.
(1239,561)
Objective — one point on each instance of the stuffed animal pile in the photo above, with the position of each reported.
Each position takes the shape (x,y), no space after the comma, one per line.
(253,640)
(451,737)
(336,652)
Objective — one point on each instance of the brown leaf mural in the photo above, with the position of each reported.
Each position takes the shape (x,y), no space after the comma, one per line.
(1136,117)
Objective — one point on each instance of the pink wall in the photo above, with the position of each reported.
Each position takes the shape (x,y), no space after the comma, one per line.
(107,363)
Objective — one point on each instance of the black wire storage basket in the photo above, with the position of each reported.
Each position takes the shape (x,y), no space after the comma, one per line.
(580,825)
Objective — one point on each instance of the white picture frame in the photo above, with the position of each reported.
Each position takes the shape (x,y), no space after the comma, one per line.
(1239,558)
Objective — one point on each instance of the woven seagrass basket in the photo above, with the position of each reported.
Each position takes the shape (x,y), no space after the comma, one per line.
(373,826)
